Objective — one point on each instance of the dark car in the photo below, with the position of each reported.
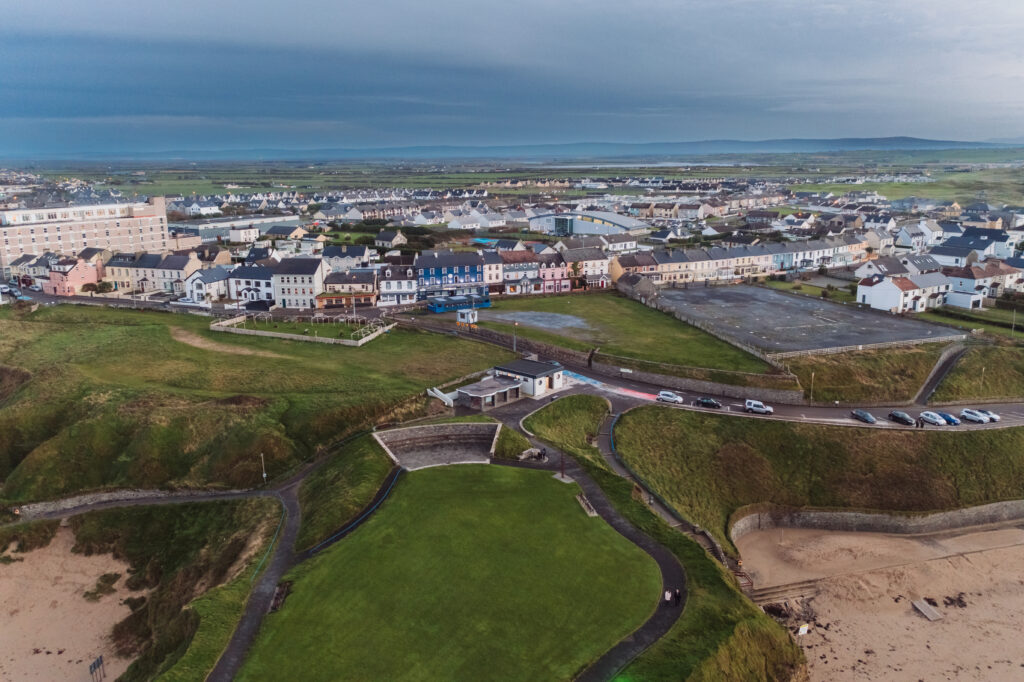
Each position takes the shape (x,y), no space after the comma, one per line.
(708,402)
(864,416)
(901,418)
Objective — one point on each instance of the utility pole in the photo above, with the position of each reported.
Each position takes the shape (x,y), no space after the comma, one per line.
(263,465)
(515,329)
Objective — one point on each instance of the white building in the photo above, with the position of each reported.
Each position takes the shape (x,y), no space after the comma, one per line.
(397,285)
(297,282)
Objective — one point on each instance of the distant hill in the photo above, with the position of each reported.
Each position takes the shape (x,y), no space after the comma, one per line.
(569,151)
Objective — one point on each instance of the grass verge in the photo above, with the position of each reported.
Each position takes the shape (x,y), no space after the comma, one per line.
(892,374)
(984,372)
(707,466)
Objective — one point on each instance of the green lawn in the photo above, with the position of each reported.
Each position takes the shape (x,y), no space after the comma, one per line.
(976,322)
(891,374)
(837,294)
(332,330)
(111,399)
(623,327)
(708,466)
(721,635)
(333,494)
(985,372)
(466,573)
(999,185)
(573,422)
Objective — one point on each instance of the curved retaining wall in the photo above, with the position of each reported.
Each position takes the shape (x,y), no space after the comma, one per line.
(415,447)
(996,512)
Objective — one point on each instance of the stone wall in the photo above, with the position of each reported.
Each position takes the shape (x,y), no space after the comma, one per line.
(226,326)
(778,517)
(456,434)
(768,395)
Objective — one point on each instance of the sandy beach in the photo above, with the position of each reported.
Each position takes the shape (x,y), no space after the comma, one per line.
(862,623)
(50,631)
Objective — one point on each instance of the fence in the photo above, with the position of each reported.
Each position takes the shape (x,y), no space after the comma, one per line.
(227,326)
(866,346)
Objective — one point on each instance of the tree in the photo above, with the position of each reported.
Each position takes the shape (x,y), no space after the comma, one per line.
(104,287)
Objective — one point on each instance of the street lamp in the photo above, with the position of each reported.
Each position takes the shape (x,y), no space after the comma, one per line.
(812,387)
(515,329)
(263,464)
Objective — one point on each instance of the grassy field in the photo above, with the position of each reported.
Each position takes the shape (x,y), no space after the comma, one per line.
(468,573)
(178,552)
(721,635)
(708,466)
(839,295)
(101,397)
(333,494)
(873,375)
(332,330)
(976,322)
(984,372)
(623,327)
(573,422)
(999,185)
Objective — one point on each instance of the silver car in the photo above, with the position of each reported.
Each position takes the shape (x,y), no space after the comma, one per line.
(975,416)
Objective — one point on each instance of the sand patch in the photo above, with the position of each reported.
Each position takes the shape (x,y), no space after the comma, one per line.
(50,631)
(863,626)
(197,341)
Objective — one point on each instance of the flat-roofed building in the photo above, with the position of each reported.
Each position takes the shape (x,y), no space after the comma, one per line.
(67,229)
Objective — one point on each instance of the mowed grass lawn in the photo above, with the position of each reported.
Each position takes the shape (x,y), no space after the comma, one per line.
(94,397)
(470,572)
(620,326)
(708,466)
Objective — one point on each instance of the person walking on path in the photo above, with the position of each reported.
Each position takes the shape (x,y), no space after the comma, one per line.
(678,596)
(668,597)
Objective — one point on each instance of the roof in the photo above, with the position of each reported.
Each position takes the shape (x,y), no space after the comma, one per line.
(904,284)
(386,236)
(929,279)
(518,257)
(488,386)
(173,262)
(211,275)
(588,253)
(448,260)
(346,251)
(284,230)
(252,272)
(530,368)
(298,266)
(351,277)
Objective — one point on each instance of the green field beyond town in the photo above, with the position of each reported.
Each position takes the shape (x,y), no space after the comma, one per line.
(463,572)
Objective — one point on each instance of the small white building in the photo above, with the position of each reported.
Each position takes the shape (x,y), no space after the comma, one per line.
(538,378)
(243,235)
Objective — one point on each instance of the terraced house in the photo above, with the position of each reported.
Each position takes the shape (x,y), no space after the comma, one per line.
(297,281)
(445,273)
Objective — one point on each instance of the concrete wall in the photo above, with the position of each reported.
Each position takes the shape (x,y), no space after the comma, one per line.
(768,395)
(765,519)
(456,433)
(226,326)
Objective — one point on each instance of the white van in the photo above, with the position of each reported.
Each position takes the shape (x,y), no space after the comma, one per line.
(757,407)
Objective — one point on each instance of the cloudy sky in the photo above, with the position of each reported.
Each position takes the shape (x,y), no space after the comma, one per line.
(124,75)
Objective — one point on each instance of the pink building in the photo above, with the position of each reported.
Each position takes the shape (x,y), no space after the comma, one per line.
(67,277)
(554,272)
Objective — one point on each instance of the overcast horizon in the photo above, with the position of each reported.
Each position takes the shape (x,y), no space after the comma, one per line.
(128,78)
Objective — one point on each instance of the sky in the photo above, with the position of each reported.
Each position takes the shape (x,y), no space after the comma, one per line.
(127,76)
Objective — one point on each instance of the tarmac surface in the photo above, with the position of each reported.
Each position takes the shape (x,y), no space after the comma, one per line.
(777,322)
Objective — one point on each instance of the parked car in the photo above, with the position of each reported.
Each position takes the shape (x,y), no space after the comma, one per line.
(949,419)
(4,289)
(35,287)
(992,416)
(22,298)
(932,418)
(975,416)
(864,416)
(757,407)
(670,397)
(901,418)
(708,402)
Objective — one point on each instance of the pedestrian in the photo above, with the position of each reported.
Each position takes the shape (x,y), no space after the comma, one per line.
(678,596)
(668,597)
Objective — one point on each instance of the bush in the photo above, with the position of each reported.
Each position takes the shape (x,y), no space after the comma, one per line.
(104,288)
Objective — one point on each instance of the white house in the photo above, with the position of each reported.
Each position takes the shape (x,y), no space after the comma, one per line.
(208,285)
(243,235)
(251,283)
(912,294)
(297,282)
(538,378)
(397,285)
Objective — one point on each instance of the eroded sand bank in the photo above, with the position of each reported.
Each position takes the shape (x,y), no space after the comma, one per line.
(49,630)
(862,623)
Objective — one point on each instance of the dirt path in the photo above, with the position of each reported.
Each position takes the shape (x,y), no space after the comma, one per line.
(197,341)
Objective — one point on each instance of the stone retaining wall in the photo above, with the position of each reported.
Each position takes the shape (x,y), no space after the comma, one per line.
(768,395)
(876,522)
(456,433)
(35,509)
(225,326)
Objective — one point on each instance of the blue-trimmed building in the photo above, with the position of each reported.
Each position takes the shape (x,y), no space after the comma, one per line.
(450,274)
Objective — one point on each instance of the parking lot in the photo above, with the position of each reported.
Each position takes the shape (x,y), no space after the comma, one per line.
(776,322)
